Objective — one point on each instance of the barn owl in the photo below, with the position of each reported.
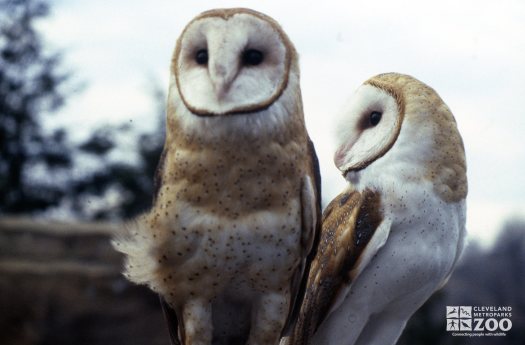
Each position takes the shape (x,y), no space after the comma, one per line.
(395,234)
(237,207)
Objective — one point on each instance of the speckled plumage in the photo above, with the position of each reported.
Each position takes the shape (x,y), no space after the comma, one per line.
(237,205)
(407,175)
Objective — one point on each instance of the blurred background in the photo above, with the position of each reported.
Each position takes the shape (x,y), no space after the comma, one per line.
(82,92)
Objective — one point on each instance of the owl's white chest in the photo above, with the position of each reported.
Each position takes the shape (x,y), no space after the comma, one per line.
(424,243)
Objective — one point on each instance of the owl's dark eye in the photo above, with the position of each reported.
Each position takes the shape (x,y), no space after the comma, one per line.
(374,118)
(201,57)
(252,57)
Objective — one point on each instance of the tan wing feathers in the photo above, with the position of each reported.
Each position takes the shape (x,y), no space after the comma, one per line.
(349,222)
(311,208)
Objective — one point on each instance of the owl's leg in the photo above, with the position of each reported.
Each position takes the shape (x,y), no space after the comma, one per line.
(386,327)
(345,323)
(383,329)
(343,328)
(197,320)
(267,319)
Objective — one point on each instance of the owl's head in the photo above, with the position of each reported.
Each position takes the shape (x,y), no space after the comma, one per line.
(396,125)
(232,61)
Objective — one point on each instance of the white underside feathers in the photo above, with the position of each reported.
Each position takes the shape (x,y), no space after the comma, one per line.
(135,244)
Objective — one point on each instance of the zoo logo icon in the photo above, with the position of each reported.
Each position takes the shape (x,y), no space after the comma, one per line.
(478,320)
(459,318)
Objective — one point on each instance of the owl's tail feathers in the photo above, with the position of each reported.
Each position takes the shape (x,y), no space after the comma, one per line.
(135,242)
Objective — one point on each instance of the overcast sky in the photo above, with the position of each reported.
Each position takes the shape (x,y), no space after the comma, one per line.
(471,51)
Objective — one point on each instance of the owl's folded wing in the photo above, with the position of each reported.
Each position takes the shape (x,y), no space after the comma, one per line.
(171,321)
(353,230)
(310,229)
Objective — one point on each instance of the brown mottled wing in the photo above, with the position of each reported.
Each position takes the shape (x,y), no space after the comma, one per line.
(311,209)
(169,314)
(172,321)
(157,179)
(349,222)
(316,172)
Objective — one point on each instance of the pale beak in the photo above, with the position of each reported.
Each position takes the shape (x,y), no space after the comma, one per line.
(340,156)
(222,78)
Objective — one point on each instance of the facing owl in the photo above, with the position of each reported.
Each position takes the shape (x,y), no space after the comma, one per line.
(237,205)
(395,234)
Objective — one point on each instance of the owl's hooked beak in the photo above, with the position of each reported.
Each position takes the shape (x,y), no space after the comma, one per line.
(343,162)
(222,78)
(341,157)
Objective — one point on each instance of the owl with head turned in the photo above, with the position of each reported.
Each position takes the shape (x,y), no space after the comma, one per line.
(394,235)
(237,205)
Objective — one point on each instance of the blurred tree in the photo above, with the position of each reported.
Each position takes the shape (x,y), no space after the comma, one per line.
(120,188)
(30,85)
